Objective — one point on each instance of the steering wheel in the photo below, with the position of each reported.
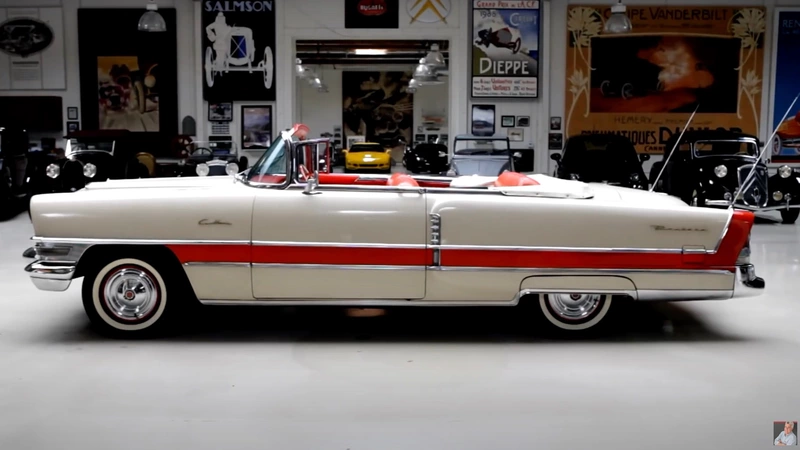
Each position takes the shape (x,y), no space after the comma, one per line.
(305,174)
(199,151)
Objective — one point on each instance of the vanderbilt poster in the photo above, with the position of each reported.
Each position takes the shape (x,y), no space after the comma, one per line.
(644,85)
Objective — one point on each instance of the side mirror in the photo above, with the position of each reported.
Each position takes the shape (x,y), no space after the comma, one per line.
(311,186)
(517,155)
(555,157)
(644,157)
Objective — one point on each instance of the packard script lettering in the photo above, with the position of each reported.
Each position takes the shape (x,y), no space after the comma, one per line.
(663,228)
(209,222)
(238,6)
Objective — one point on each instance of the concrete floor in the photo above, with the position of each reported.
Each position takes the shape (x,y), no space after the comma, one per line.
(691,375)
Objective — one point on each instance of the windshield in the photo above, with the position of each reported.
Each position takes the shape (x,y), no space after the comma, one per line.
(272,162)
(490,167)
(725,148)
(75,145)
(481,146)
(362,148)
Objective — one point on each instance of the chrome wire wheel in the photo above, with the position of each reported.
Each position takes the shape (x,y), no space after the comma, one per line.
(576,311)
(130,294)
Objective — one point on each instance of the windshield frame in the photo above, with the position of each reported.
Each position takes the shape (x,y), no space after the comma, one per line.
(286,140)
(751,143)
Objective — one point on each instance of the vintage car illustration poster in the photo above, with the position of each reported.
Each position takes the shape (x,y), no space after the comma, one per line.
(127,93)
(32,49)
(644,85)
(786,85)
(505,49)
(238,40)
(128,78)
(377,106)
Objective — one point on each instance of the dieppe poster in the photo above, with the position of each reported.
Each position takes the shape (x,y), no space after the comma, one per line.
(645,84)
(505,48)
(786,147)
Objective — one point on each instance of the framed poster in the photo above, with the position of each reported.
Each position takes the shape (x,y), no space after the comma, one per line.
(645,84)
(371,13)
(505,48)
(256,127)
(32,53)
(72,113)
(507,121)
(786,85)
(483,120)
(128,78)
(376,105)
(238,40)
(220,112)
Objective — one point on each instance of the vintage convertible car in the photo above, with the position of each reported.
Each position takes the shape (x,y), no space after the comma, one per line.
(367,157)
(482,155)
(602,158)
(709,168)
(213,158)
(284,234)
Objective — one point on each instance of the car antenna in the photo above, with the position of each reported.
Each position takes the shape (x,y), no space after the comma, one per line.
(664,166)
(745,185)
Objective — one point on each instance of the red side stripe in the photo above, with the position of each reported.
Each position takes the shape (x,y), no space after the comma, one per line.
(236,253)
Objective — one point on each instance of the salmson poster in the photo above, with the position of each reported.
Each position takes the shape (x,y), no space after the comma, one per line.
(505,48)
(645,85)
(786,146)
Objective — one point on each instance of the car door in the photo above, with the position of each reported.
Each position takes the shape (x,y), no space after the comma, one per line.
(339,243)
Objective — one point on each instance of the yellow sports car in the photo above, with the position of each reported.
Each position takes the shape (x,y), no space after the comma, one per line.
(363,156)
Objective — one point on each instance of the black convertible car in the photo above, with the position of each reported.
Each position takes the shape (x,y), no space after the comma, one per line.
(601,158)
(710,168)
(426,158)
(13,163)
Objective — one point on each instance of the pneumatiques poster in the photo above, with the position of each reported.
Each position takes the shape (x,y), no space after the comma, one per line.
(644,85)
(505,48)
(786,67)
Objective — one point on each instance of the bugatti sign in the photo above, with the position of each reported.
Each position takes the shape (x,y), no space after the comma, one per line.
(371,13)
(25,37)
(372,7)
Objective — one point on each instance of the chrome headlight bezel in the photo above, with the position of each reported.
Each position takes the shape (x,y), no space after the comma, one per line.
(720,171)
(89,170)
(202,170)
(785,171)
(232,168)
(52,171)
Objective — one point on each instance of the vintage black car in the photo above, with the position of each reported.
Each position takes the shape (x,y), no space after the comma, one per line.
(426,157)
(212,158)
(13,163)
(482,155)
(88,156)
(709,168)
(601,158)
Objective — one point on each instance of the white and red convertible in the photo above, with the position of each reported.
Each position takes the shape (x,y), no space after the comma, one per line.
(282,233)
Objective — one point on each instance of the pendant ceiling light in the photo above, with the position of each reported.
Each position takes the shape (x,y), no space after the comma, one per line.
(413,84)
(435,59)
(619,22)
(299,70)
(423,71)
(151,20)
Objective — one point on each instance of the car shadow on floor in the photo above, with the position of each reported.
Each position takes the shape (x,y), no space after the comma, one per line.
(630,322)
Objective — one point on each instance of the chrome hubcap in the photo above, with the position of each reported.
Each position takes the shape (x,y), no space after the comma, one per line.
(574,306)
(130,294)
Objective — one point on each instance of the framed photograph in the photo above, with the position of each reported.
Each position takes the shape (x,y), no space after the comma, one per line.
(516,134)
(483,120)
(784,433)
(555,141)
(256,126)
(555,123)
(419,138)
(507,121)
(220,112)
(72,113)
(73,127)
(444,138)
(432,138)
(128,79)
(523,121)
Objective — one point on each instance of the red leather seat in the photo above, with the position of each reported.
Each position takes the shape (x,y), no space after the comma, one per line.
(514,179)
(402,179)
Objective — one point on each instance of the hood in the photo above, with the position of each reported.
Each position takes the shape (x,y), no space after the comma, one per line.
(179,182)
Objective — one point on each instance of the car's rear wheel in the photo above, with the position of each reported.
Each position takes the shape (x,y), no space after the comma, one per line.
(575,312)
(129,297)
(789,216)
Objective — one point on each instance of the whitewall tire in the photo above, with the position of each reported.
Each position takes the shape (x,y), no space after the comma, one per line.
(126,296)
(575,312)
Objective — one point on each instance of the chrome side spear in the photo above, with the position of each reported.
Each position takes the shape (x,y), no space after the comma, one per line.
(677,143)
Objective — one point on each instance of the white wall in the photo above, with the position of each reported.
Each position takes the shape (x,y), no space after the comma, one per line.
(323,111)
(558,50)
(187,102)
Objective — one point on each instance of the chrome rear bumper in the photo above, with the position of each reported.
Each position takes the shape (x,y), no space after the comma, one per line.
(747,283)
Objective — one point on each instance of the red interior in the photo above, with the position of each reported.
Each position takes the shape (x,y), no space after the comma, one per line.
(397,179)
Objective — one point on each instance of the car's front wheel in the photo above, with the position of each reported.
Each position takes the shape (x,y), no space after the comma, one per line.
(575,312)
(129,296)
(789,216)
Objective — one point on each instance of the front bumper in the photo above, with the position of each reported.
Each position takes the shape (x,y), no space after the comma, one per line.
(55,266)
(747,283)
